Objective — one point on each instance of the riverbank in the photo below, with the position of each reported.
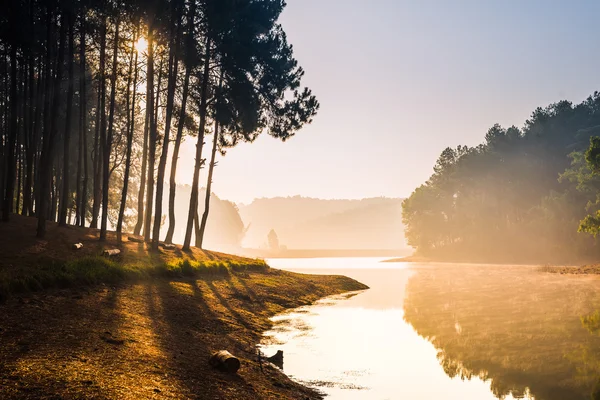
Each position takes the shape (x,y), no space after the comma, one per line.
(149,332)
(29,264)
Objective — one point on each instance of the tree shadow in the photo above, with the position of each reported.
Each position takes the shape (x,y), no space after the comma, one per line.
(51,342)
(251,293)
(250,298)
(189,330)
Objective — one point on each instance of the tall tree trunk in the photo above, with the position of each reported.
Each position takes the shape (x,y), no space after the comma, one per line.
(19,166)
(108,137)
(189,43)
(152,133)
(83,122)
(31,140)
(47,159)
(57,181)
(193,209)
(2,129)
(64,201)
(25,124)
(211,167)
(171,84)
(3,124)
(37,130)
(83,118)
(97,157)
(12,138)
(130,130)
(82,149)
(176,146)
(100,128)
(140,207)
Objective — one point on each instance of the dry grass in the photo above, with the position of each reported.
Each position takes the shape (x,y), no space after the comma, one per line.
(593,269)
(29,264)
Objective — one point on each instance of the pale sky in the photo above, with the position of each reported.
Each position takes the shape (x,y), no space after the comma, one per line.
(398,81)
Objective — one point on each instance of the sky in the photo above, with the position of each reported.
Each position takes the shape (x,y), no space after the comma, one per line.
(399,81)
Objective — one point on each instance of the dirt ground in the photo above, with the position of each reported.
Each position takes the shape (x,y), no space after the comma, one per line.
(151,339)
(145,339)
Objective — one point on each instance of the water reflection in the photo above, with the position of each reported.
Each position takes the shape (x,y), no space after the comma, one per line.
(519,328)
(361,347)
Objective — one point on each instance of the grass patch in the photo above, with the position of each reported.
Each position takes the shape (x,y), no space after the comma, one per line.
(92,270)
(188,267)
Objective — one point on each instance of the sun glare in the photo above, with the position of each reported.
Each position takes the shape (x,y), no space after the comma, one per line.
(141,45)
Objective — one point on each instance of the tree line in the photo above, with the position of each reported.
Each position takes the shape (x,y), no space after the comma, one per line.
(527,194)
(96,97)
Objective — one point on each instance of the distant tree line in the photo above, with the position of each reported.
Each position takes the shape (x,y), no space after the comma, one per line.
(96,95)
(524,195)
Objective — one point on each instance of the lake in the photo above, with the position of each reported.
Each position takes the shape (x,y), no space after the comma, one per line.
(443,331)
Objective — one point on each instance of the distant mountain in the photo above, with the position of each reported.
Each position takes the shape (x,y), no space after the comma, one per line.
(309,223)
(224,228)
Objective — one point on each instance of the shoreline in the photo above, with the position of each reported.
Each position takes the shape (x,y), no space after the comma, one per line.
(145,335)
(563,269)
(154,338)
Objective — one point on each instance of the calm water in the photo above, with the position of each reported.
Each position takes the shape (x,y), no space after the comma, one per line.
(369,345)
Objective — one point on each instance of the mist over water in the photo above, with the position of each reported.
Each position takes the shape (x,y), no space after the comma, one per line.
(359,346)
(416,334)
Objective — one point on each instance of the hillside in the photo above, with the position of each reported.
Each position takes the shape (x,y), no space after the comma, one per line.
(308,223)
(224,229)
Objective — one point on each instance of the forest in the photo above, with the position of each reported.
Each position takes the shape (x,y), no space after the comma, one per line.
(97,96)
(529,194)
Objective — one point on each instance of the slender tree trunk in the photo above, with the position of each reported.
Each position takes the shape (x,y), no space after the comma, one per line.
(31,142)
(140,206)
(25,123)
(176,146)
(64,202)
(22,123)
(193,209)
(37,129)
(12,138)
(19,164)
(130,130)
(3,125)
(83,122)
(100,128)
(57,182)
(55,186)
(189,43)
(97,156)
(152,134)
(172,82)
(80,214)
(108,137)
(211,167)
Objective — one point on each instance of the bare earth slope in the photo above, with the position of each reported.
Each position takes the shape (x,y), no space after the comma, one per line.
(150,338)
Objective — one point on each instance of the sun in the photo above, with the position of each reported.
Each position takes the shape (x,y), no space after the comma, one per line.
(141,45)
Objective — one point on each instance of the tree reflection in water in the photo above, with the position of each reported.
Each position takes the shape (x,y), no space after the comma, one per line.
(516,326)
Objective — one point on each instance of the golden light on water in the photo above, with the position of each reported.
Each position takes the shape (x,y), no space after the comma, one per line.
(141,45)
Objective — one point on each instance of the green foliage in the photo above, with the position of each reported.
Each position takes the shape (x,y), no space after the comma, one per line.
(211,268)
(592,322)
(592,154)
(96,269)
(590,224)
(519,196)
